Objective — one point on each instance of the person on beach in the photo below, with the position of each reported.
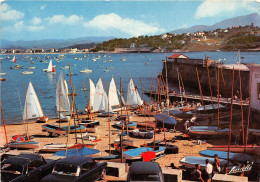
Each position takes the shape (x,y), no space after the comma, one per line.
(196,174)
(216,164)
(208,170)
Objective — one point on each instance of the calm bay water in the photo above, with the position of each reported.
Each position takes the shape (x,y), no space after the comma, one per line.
(45,83)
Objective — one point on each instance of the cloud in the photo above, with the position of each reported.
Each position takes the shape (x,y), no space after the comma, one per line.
(7,13)
(19,25)
(73,19)
(212,8)
(113,21)
(35,28)
(42,7)
(36,21)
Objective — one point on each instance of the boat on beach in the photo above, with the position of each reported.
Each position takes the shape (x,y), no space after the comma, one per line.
(191,161)
(54,147)
(75,129)
(236,157)
(142,133)
(54,129)
(249,149)
(135,154)
(208,131)
(166,119)
(130,125)
(24,145)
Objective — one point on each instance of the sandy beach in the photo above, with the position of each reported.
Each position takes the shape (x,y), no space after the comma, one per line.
(185,147)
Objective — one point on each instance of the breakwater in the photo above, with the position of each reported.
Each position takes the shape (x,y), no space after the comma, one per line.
(188,76)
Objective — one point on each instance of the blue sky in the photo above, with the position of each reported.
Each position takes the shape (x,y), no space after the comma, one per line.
(35,20)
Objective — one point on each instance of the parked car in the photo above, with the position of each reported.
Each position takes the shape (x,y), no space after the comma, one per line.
(76,169)
(145,171)
(24,167)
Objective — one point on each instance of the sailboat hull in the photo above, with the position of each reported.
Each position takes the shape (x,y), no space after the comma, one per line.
(250,149)
(54,129)
(24,145)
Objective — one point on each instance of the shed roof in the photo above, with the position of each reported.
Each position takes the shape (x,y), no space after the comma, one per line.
(178,56)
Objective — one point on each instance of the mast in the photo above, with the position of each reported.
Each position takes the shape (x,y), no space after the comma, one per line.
(26,114)
(218,98)
(142,87)
(156,118)
(230,126)
(109,134)
(84,91)
(121,136)
(210,81)
(249,106)
(242,113)
(199,86)
(4,123)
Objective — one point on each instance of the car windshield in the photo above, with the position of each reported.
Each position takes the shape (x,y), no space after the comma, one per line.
(12,168)
(145,177)
(65,169)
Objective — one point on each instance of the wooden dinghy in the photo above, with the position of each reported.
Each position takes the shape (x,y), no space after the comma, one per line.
(150,124)
(91,128)
(89,122)
(74,129)
(24,145)
(131,125)
(54,147)
(208,131)
(125,142)
(54,129)
(141,133)
(249,149)
(255,132)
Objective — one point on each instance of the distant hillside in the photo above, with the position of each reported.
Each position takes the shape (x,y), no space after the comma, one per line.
(82,46)
(237,21)
(51,43)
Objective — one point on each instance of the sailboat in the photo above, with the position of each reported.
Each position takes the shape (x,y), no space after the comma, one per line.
(13,59)
(62,99)
(91,93)
(27,72)
(51,68)
(32,110)
(100,103)
(113,96)
(133,97)
(33,106)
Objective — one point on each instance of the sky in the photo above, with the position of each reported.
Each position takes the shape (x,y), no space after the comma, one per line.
(36,20)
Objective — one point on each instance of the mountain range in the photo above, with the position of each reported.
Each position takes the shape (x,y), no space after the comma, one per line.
(51,43)
(90,41)
(237,21)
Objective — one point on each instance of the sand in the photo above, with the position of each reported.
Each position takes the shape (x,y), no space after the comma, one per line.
(186,148)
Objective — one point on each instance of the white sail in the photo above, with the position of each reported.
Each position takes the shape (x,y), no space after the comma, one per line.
(13,60)
(100,98)
(122,97)
(49,69)
(133,97)
(62,98)
(91,93)
(33,108)
(113,97)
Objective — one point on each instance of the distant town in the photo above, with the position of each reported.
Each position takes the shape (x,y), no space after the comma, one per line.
(237,37)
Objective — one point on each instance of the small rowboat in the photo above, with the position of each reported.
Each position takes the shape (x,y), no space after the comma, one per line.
(207,131)
(249,149)
(53,129)
(147,124)
(141,133)
(54,147)
(24,145)
(2,79)
(74,129)
(131,125)
(89,122)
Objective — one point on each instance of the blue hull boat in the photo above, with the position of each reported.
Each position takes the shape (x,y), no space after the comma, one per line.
(237,157)
(79,152)
(135,154)
(24,145)
(208,131)
(168,120)
(74,129)
(191,161)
